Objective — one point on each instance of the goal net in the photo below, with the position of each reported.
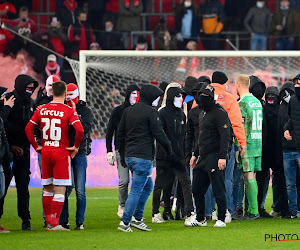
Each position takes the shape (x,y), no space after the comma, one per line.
(103,76)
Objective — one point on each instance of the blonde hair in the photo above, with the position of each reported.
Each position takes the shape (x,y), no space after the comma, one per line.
(163,104)
(244,80)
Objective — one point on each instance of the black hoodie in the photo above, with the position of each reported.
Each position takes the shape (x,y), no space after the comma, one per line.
(173,122)
(283,117)
(116,116)
(139,127)
(20,113)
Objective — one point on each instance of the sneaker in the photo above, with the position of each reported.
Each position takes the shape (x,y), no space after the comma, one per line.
(199,223)
(120,212)
(57,228)
(265,214)
(139,224)
(168,216)
(65,225)
(239,212)
(237,216)
(157,218)
(191,220)
(275,214)
(79,227)
(214,215)
(45,223)
(26,225)
(253,217)
(290,216)
(3,230)
(125,228)
(227,217)
(220,223)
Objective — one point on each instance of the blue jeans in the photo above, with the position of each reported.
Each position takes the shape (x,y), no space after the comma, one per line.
(284,44)
(258,42)
(79,165)
(229,181)
(291,164)
(141,187)
(210,202)
(238,189)
(2,182)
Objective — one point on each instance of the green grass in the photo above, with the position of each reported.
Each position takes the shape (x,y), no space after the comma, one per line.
(101,229)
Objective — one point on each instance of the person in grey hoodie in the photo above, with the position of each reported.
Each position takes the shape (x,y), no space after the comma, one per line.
(258,22)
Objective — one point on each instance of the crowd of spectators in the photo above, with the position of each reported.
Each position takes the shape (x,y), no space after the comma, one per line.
(108,24)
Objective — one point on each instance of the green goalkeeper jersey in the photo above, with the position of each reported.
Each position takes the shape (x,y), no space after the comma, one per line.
(252,113)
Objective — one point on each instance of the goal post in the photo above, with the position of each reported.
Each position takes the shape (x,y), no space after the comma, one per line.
(104,75)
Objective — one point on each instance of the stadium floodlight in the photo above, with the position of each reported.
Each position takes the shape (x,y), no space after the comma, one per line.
(104,75)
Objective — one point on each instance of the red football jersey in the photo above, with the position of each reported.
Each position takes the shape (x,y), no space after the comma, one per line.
(54,119)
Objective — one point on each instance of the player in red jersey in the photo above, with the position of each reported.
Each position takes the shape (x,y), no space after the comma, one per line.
(54,119)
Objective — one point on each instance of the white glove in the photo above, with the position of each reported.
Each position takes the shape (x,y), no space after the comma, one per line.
(111,158)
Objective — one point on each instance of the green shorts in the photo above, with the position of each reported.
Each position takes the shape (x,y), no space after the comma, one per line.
(250,164)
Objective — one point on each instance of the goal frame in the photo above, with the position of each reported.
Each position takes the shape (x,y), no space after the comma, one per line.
(159,53)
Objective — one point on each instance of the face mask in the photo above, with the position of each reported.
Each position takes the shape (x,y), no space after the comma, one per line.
(284,8)
(187,4)
(260,5)
(51,64)
(155,102)
(297,92)
(44,41)
(83,22)
(257,91)
(141,46)
(49,90)
(272,100)
(109,29)
(207,102)
(134,97)
(178,102)
(28,92)
(74,96)
(287,97)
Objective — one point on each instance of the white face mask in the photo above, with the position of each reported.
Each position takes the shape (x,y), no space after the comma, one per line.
(74,94)
(187,4)
(49,89)
(178,101)
(133,97)
(155,102)
(287,97)
(260,4)
(109,29)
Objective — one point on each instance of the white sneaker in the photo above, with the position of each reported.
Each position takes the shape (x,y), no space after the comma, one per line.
(139,224)
(120,212)
(275,214)
(228,217)
(122,227)
(57,228)
(214,215)
(157,218)
(190,221)
(200,223)
(220,223)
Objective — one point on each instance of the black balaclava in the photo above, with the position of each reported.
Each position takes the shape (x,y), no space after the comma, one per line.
(207,102)
(287,91)
(272,96)
(21,87)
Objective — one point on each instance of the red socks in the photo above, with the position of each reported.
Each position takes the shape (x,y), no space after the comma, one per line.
(47,200)
(56,208)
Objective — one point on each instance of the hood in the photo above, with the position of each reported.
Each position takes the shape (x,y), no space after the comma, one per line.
(255,80)
(297,77)
(197,88)
(286,86)
(189,84)
(163,85)
(129,89)
(204,79)
(22,81)
(149,93)
(172,92)
(2,90)
(272,90)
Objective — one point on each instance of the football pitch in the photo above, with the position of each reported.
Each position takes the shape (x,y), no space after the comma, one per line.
(102,222)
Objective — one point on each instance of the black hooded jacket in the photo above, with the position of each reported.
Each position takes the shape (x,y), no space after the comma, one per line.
(283,117)
(271,111)
(139,127)
(116,116)
(173,122)
(5,152)
(21,112)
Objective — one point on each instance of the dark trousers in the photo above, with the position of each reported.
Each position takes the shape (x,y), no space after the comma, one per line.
(165,175)
(207,172)
(8,175)
(21,171)
(210,41)
(279,178)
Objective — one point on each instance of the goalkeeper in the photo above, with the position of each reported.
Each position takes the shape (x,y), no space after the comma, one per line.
(250,161)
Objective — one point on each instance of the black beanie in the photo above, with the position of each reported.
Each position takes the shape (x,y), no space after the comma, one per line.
(219,77)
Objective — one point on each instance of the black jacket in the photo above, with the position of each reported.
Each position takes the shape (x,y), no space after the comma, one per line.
(293,124)
(86,118)
(115,118)
(5,153)
(192,131)
(4,111)
(215,134)
(283,117)
(66,17)
(139,127)
(173,122)
(270,141)
(20,113)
